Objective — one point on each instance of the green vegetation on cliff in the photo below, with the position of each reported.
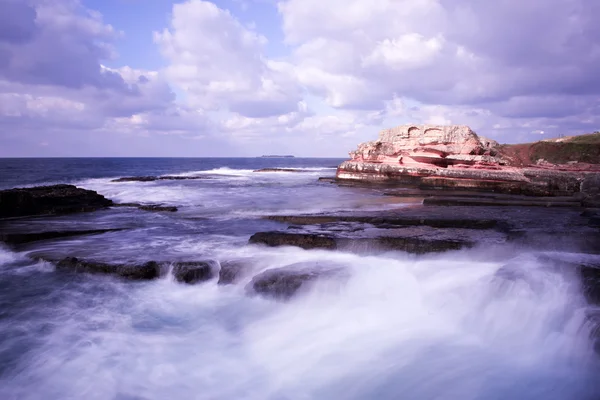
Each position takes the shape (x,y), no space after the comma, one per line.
(582,148)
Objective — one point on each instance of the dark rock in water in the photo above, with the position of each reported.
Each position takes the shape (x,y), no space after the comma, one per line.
(21,238)
(590,281)
(42,200)
(285,282)
(149,207)
(231,271)
(396,221)
(136,179)
(305,241)
(195,271)
(412,245)
(147,271)
(326,179)
(309,241)
(280,170)
(466,201)
(157,178)
(593,216)
(157,208)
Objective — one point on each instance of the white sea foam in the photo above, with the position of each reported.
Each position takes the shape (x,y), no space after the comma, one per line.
(440,327)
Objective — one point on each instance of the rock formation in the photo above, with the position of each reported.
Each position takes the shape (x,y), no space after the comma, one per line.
(57,199)
(432,156)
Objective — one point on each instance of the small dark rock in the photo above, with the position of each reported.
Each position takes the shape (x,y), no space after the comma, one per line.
(156,208)
(146,271)
(195,271)
(231,272)
(285,282)
(306,241)
(157,178)
(280,170)
(149,207)
(136,179)
(42,200)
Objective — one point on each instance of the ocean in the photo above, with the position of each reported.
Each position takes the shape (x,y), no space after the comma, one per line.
(399,326)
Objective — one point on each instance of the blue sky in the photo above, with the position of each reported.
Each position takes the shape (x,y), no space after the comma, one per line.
(312,78)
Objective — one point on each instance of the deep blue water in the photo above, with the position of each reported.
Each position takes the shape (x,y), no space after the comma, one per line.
(401,326)
(16,172)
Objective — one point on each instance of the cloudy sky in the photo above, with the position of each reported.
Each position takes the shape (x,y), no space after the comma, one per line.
(305,77)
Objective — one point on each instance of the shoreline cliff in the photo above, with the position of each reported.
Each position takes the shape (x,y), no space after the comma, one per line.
(455,157)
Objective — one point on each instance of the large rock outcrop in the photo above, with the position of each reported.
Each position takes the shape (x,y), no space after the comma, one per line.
(56,199)
(433,156)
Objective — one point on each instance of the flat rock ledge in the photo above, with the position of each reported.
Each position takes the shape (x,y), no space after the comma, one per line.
(157,178)
(186,272)
(22,238)
(309,241)
(146,271)
(148,207)
(455,157)
(281,170)
(49,200)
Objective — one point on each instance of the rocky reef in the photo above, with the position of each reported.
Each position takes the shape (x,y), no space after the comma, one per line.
(455,157)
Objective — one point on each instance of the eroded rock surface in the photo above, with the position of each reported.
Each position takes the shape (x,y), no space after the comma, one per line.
(455,157)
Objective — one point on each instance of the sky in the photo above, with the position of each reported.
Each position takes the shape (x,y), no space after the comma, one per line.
(115,78)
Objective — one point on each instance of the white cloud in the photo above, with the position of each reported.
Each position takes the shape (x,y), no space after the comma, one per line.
(220,63)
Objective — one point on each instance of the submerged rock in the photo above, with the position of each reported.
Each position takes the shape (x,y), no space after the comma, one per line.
(192,272)
(147,271)
(43,200)
(21,238)
(280,170)
(149,207)
(157,178)
(285,282)
(232,271)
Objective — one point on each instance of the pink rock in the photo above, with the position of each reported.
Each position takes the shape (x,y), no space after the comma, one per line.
(456,157)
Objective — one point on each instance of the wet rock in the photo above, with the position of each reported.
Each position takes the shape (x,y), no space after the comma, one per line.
(232,271)
(281,170)
(356,242)
(157,178)
(43,200)
(466,201)
(21,238)
(195,271)
(146,271)
(136,179)
(327,179)
(390,220)
(286,282)
(157,208)
(590,280)
(305,241)
(149,207)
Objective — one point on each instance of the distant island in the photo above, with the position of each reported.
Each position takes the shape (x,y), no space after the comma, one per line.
(277,156)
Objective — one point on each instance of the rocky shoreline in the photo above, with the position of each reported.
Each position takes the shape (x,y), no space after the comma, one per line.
(463,191)
(456,158)
(438,224)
